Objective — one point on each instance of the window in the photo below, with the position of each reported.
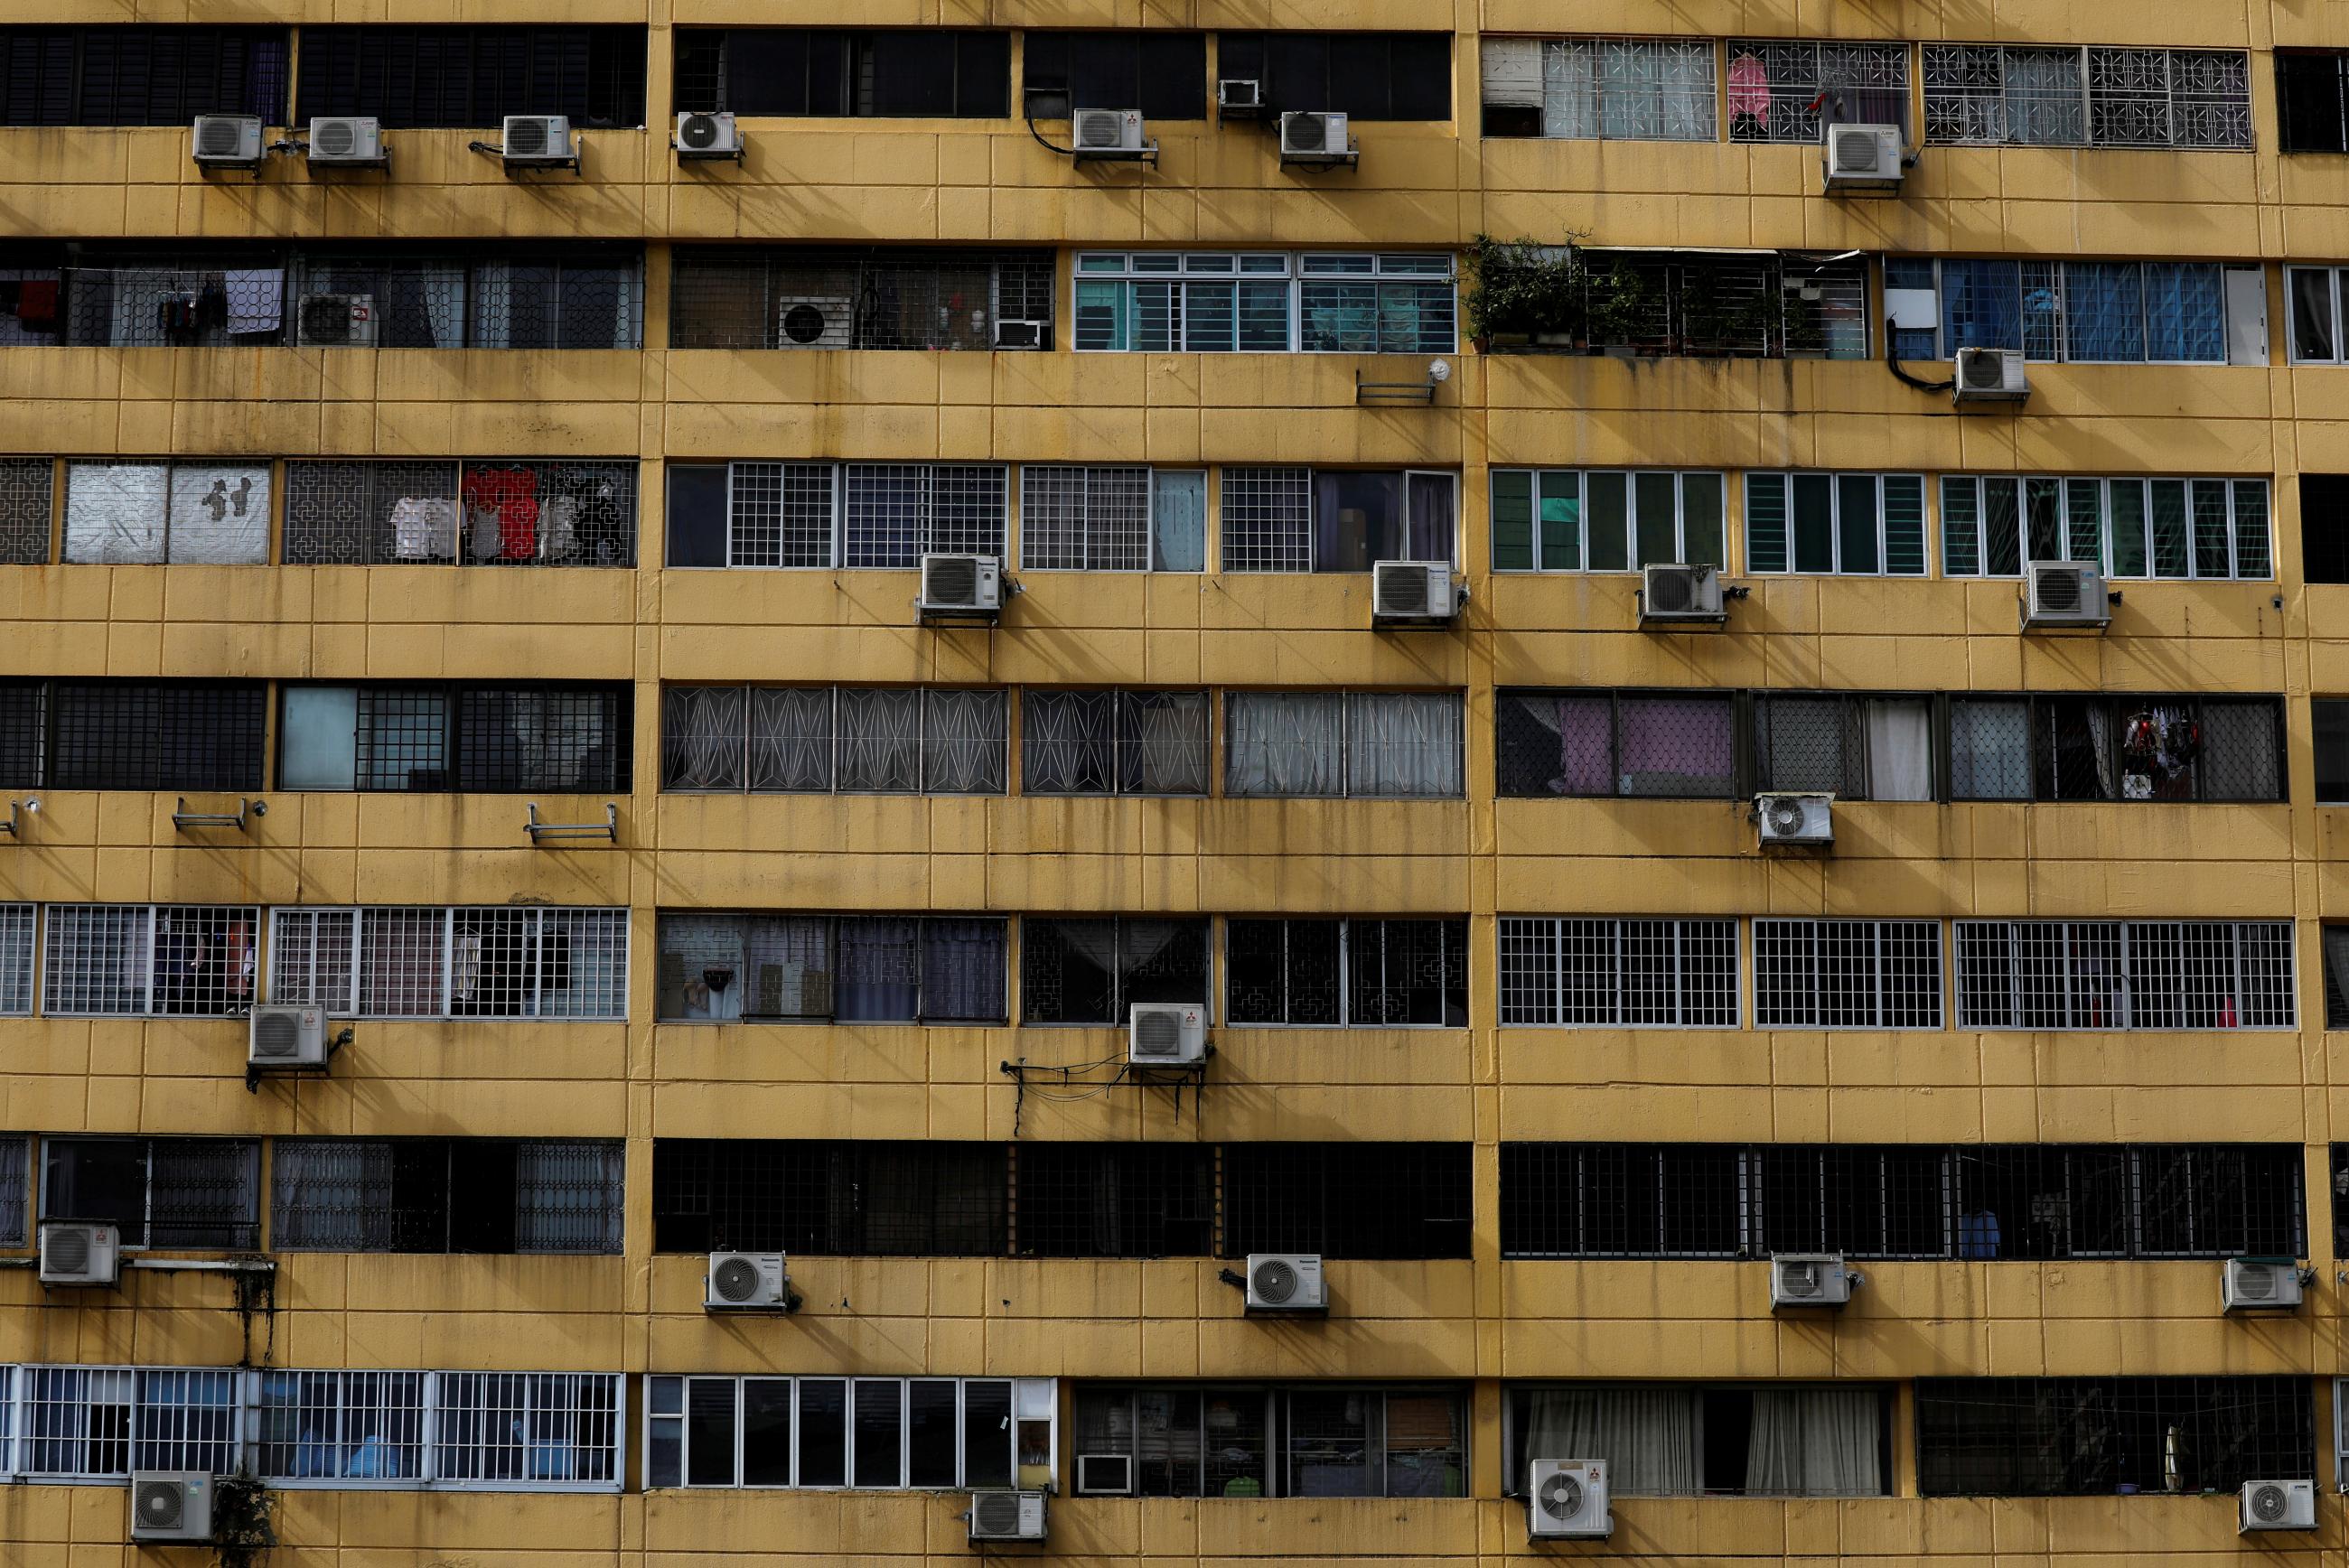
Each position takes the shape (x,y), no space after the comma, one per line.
(124,74)
(1363,974)
(346,1427)
(591,297)
(1984,94)
(1348,1200)
(1166,302)
(2092,1436)
(1854,525)
(558,1431)
(2324,527)
(1394,745)
(1847,974)
(98,1423)
(2313,105)
(1316,1439)
(2314,298)
(15,1205)
(16,969)
(1790,90)
(2331,748)
(838,1199)
(1743,305)
(2081,312)
(1561,520)
(1306,520)
(1163,74)
(908,73)
(1860,748)
(132,735)
(445,1195)
(870,1433)
(1130,519)
(1113,742)
(499,961)
(130,960)
(1995,525)
(807,297)
(485,739)
(2142,974)
(1093,971)
(26,487)
(1669,745)
(786,968)
(123,513)
(2136,747)
(1641,974)
(202,1193)
(1977,1202)
(1364,75)
(1685,1440)
(471,77)
(863,740)
(1614,90)
(1116,1200)
(351,513)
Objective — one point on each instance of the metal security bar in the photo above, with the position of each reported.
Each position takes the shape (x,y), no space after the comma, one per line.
(196,1193)
(1641,974)
(815,297)
(1764,305)
(26,489)
(883,740)
(480,512)
(450,738)
(1115,1199)
(446,1196)
(15,1210)
(1084,519)
(127,960)
(773,968)
(1361,974)
(349,1429)
(1790,90)
(17,953)
(2182,974)
(1348,1200)
(558,1430)
(1984,94)
(466,961)
(147,735)
(1847,974)
(1267,520)
(1092,972)
(2175,529)
(1113,742)
(936,1199)
(2094,1437)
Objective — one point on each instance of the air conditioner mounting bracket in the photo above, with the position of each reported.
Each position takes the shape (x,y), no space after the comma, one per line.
(541,833)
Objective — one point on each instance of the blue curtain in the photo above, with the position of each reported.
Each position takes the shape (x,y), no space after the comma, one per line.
(2104,314)
(2186,312)
(1980,305)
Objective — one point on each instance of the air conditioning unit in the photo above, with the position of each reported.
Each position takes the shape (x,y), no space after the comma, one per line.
(1315,137)
(960,587)
(746,1282)
(1789,821)
(537,141)
(1239,98)
(1006,1516)
(1108,133)
(286,1038)
(171,1505)
(347,142)
(1009,333)
(1104,1475)
(78,1252)
(2064,593)
(227,141)
(2278,1505)
(2260,1284)
(335,321)
(1567,1501)
(816,320)
(1286,1282)
(1809,1279)
(1990,376)
(1412,593)
(707,137)
(1864,158)
(1166,1035)
(1682,595)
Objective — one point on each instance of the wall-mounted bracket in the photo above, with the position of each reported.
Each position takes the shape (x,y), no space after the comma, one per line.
(541,833)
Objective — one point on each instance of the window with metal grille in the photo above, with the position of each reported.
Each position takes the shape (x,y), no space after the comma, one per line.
(96,1423)
(129,74)
(121,513)
(1613,89)
(1384,75)
(445,1195)
(438,739)
(869,1433)
(1391,745)
(2312,99)
(1694,1439)
(2087,312)
(831,1198)
(472,77)
(26,487)
(1348,1200)
(463,963)
(343,1429)
(2194,975)
(1995,525)
(1162,73)
(2135,748)
(1669,745)
(1605,520)
(1790,90)
(139,959)
(106,734)
(15,1207)
(1115,1199)
(16,958)
(1858,747)
(1640,974)
(873,740)
(24,733)
(1112,742)
(1111,518)
(1854,525)
(1362,973)
(2091,1437)
(785,968)
(1987,95)
(1847,974)
(170,1193)
(1092,971)
(556,1431)
(900,73)
(1790,304)
(484,513)
(1169,302)
(587,295)
(1256,1440)
(1360,517)
(818,297)
(893,514)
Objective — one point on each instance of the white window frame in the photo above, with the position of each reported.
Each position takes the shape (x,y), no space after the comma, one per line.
(51,960)
(1681,926)
(833,478)
(1294,268)
(1345,978)
(2126,1021)
(1835,478)
(2059,276)
(536,992)
(1026,1393)
(2337,280)
(2104,490)
(1884,1005)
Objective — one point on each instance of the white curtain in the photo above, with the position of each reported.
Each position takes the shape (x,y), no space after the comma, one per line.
(219,515)
(2100,744)
(1815,1442)
(115,512)
(1569,89)
(323,1192)
(1178,516)
(1646,1434)
(567,1197)
(1899,749)
(1284,743)
(1402,743)
(702,966)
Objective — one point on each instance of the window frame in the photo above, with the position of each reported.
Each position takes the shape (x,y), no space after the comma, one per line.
(2121,1001)
(1120,697)
(1344,979)
(839,743)
(1293,269)
(1347,697)
(1281,1447)
(1014,1388)
(1632,553)
(2334,287)
(590,920)
(1152,554)
(1882,1005)
(1883,483)
(2059,317)
(832,922)
(239,977)
(247,1149)
(1964,55)
(455,1165)
(1516,1477)
(2103,491)
(1121,975)
(1684,929)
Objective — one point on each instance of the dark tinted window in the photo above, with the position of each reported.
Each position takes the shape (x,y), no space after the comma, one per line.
(2324,527)
(1347,1200)
(1116,1200)
(1164,75)
(139,75)
(843,1199)
(2082,1437)
(914,73)
(1368,76)
(473,76)
(696,524)
(2331,738)
(157,735)
(2313,106)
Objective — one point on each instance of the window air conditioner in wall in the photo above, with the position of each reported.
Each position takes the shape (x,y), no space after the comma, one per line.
(1809,1279)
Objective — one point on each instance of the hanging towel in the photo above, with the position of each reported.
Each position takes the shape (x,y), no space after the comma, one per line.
(256,300)
(37,302)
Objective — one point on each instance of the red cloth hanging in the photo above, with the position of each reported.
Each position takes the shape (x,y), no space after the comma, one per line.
(512,496)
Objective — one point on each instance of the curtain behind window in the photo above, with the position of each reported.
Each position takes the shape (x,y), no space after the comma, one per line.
(1284,743)
(1403,744)
(1815,1442)
(567,1197)
(880,974)
(1646,1434)
(962,969)
(1899,749)
(323,1192)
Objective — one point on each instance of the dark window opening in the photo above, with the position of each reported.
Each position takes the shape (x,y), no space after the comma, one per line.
(2312,101)
(2324,527)
(829,1198)
(1116,1200)
(1093,971)
(132,735)
(118,73)
(830,298)
(445,1195)
(433,740)
(913,73)
(473,76)
(1365,75)
(193,1193)
(1164,75)
(2080,1436)
(1348,1200)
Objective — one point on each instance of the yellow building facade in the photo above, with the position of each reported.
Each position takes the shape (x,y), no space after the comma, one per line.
(1631,1050)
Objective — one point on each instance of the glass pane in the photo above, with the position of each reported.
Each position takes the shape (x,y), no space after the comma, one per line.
(1904,525)
(2212,556)
(2127,500)
(319,749)
(1513,519)
(1609,522)
(2002,528)
(1178,520)
(1659,521)
(1561,522)
(930,1419)
(986,1433)
(2252,559)
(709,1431)
(1765,522)
(2313,334)
(1703,533)
(1814,522)
(823,1431)
(1960,527)
(766,1431)
(2083,512)
(1855,524)
(2169,527)
(880,1433)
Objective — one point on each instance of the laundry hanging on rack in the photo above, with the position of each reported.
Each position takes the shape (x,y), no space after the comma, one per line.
(501,513)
